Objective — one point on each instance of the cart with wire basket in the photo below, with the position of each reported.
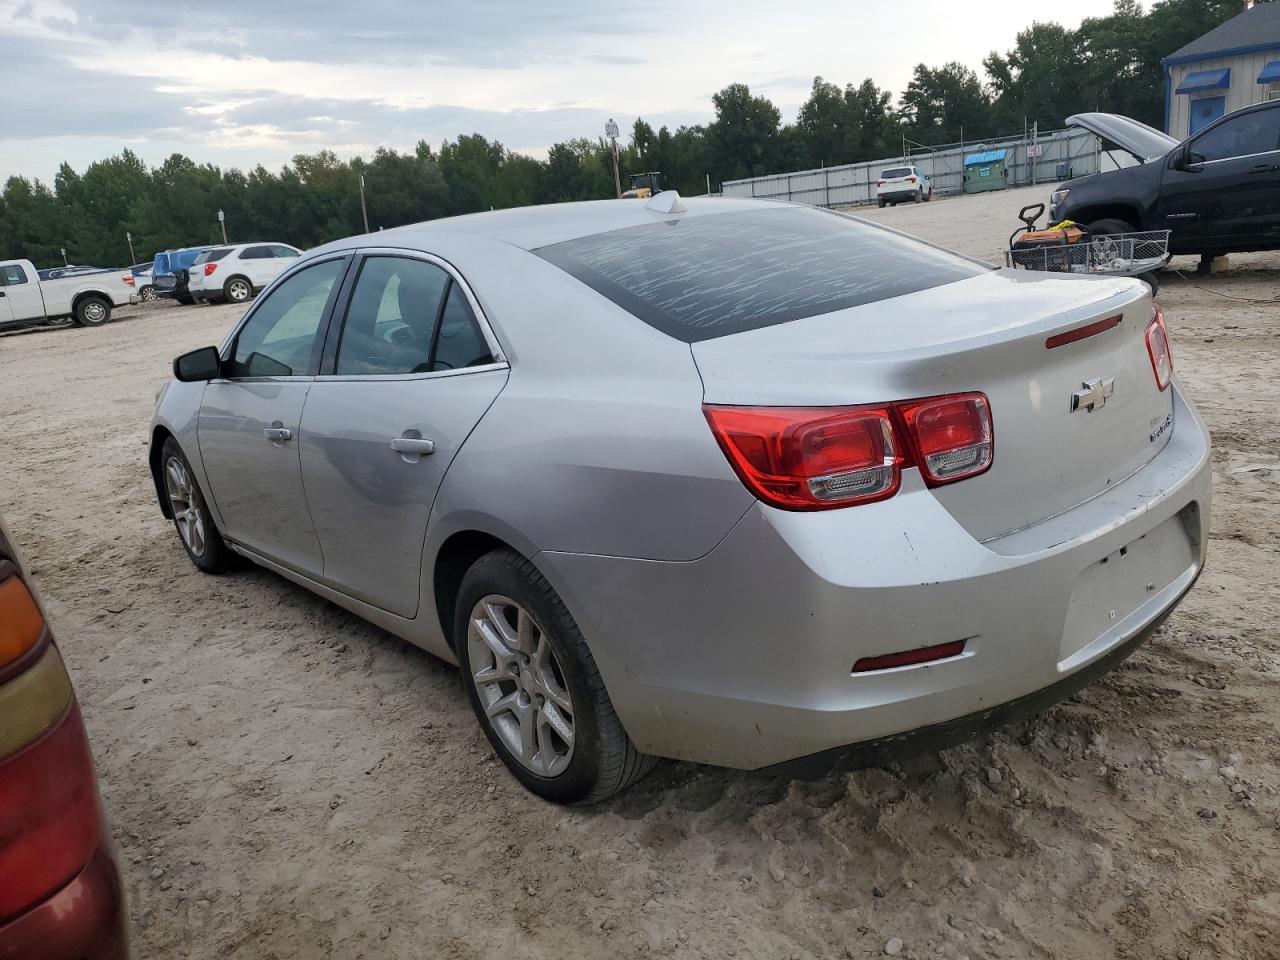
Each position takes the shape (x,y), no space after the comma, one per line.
(1070,248)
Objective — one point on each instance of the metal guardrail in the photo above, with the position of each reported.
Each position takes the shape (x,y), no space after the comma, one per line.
(854,183)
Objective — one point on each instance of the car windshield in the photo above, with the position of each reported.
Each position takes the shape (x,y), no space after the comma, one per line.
(710,276)
(895,173)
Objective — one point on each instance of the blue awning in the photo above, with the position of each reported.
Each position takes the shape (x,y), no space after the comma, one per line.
(1270,73)
(1205,80)
(987,156)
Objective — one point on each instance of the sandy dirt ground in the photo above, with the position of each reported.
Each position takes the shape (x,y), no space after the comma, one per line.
(286,781)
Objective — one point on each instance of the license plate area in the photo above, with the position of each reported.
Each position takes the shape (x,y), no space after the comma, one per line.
(1112,590)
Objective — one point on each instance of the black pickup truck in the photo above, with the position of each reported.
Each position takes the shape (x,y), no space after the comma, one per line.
(1218,191)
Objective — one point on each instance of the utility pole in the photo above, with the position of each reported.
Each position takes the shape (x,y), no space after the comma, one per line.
(222,222)
(64,256)
(611,131)
(129,236)
(364,211)
(708,184)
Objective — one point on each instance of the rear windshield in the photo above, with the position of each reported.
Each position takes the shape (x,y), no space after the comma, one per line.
(895,173)
(711,276)
(212,256)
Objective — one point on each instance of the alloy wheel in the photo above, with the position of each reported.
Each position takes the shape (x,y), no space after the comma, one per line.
(521,685)
(238,290)
(186,514)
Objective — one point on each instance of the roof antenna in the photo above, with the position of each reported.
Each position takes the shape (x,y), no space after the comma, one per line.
(668,201)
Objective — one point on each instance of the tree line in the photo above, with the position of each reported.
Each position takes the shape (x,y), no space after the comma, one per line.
(1110,64)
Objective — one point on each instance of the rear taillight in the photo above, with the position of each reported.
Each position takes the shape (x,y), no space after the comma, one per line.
(818,458)
(1158,349)
(879,183)
(952,436)
(911,179)
(127,278)
(209,268)
(21,623)
(810,459)
(49,817)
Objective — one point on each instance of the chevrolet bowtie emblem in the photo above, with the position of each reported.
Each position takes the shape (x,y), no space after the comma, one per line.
(1093,395)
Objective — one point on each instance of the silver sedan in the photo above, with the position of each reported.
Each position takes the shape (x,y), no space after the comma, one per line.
(735,482)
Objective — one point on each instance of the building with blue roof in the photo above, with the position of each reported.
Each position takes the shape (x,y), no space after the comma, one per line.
(1235,64)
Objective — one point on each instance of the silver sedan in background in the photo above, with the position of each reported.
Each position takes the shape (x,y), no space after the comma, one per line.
(736,482)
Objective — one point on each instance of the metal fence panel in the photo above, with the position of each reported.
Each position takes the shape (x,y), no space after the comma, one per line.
(854,183)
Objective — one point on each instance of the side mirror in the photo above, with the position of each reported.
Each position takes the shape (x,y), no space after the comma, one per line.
(198,365)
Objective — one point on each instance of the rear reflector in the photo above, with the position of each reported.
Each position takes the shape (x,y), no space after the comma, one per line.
(21,623)
(1081,333)
(1158,349)
(49,817)
(907,658)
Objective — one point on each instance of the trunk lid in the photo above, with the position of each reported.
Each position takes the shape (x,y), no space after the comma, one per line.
(987,334)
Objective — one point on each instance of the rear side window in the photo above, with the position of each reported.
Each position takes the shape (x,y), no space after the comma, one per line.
(256,253)
(711,276)
(212,256)
(391,319)
(12,274)
(459,343)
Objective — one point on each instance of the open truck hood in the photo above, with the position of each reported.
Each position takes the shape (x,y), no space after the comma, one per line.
(1143,142)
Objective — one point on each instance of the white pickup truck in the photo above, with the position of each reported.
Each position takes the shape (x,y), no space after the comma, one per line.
(87,298)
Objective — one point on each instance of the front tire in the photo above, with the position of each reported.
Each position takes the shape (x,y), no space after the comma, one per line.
(535,688)
(93,312)
(1111,225)
(881,202)
(191,517)
(237,290)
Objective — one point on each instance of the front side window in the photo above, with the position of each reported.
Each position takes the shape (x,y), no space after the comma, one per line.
(13,274)
(1257,132)
(281,336)
(392,317)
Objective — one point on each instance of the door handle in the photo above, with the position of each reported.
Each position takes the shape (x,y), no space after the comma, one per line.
(1265,168)
(277,433)
(418,445)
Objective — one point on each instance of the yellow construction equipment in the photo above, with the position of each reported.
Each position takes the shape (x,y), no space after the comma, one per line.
(643,186)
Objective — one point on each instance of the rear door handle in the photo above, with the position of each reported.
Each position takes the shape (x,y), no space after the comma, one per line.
(418,445)
(276,433)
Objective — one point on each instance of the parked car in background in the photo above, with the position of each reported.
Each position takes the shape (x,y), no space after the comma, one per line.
(730,481)
(60,892)
(142,274)
(900,184)
(87,298)
(1217,192)
(168,272)
(235,273)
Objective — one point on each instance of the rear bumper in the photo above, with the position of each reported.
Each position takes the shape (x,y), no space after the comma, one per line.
(85,920)
(899,194)
(744,657)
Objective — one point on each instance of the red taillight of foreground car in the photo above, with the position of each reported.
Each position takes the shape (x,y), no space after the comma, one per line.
(49,816)
(952,436)
(819,458)
(1158,349)
(209,268)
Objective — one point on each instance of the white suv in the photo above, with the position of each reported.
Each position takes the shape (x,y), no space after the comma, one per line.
(898,184)
(236,273)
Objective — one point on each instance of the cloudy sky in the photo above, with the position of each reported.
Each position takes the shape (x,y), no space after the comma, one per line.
(241,82)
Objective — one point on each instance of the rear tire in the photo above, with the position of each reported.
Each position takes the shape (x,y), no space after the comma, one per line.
(148,294)
(191,517)
(237,290)
(919,196)
(523,660)
(881,202)
(93,312)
